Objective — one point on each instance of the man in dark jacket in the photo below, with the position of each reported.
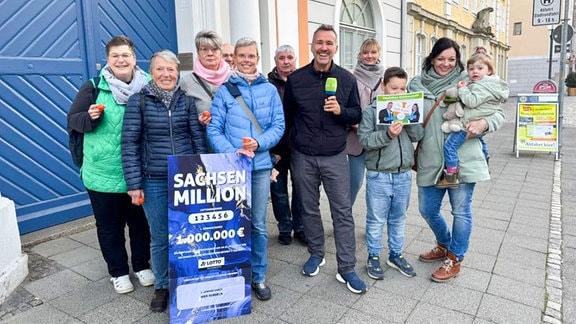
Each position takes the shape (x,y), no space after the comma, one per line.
(318,141)
(288,215)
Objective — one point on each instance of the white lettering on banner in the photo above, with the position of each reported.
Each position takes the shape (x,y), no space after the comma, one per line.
(208,178)
(209,195)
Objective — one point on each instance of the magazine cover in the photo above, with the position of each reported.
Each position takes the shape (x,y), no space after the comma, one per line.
(405,108)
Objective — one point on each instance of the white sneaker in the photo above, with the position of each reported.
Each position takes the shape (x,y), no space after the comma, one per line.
(145,277)
(122,284)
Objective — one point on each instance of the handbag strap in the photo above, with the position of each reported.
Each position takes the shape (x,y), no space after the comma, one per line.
(432,110)
(235,92)
(204,86)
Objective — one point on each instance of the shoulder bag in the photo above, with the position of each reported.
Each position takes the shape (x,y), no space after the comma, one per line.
(415,165)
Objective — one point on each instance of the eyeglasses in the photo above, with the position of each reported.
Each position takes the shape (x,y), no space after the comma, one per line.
(206,50)
(125,56)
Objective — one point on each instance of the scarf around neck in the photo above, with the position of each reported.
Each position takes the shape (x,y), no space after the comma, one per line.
(164,95)
(121,90)
(432,84)
(248,77)
(369,74)
(217,77)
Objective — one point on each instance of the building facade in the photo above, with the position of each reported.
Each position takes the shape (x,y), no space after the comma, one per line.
(470,23)
(534,54)
(50,47)
(275,23)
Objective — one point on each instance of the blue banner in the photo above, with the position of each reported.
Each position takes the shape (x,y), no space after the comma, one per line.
(209,219)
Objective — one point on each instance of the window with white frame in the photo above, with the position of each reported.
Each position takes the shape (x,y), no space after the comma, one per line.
(433,40)
(517,28)
(356,24)
(420,52)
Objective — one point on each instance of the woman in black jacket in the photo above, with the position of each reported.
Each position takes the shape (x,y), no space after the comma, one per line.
(159,121)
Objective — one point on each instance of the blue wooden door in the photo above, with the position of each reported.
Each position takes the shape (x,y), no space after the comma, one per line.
(48,49)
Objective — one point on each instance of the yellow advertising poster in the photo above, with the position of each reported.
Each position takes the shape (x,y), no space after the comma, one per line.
(537,126)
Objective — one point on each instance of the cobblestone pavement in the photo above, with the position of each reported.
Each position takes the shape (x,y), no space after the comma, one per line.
(521,267)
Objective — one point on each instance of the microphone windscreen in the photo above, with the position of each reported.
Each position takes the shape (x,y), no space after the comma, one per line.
(331,85)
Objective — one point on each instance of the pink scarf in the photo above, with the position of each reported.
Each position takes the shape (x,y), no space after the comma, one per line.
(217,77)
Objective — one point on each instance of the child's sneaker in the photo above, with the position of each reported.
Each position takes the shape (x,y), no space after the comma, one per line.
(352,281)
(401,265)
(449,180)
(374,269)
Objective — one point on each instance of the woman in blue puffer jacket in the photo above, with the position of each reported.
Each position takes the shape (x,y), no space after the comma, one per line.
(231,130)
(159,121)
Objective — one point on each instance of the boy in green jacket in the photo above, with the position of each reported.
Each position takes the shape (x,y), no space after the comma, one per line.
(389,159)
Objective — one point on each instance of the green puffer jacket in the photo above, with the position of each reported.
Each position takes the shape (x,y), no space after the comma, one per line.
(102,167)
(385,154)
(472,163)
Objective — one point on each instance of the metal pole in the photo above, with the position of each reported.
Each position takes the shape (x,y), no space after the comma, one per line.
(561,84)
(550,50)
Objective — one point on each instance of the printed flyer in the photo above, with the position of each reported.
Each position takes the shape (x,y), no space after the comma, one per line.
(209,217)
(406,108)
(537,123)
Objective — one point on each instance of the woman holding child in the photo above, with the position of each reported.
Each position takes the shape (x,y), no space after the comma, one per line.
(443,69)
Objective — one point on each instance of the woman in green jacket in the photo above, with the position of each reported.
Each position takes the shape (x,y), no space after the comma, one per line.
(443,69)
(100,120)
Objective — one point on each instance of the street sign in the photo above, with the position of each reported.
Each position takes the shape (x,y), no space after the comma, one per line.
(557,33)
(546,12)
(557,48)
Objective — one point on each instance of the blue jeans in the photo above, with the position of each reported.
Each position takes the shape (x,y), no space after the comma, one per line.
(332,172)
(357,166)
(456,239)
(484,147)
(156,210)
(260,191)
(453,143)
(288,215)
(387,199)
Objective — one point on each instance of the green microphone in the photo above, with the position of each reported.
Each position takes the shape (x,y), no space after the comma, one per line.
(330,87)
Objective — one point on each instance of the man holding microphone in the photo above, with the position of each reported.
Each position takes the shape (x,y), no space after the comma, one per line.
(319,113)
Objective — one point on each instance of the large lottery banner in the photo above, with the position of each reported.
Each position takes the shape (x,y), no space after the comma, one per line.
(209,214)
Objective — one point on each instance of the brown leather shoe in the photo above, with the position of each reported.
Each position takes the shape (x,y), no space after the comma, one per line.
(449,269)
(449,180)
(436,254)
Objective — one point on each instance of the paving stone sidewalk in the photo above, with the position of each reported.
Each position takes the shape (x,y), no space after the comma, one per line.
(505,277)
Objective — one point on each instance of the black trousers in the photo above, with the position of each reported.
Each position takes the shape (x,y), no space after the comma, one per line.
(113,211)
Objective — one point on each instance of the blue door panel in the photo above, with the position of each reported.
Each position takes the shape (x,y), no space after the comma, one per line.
(39,25)
(48,49)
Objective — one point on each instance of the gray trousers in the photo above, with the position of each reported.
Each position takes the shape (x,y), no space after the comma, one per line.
(334,175)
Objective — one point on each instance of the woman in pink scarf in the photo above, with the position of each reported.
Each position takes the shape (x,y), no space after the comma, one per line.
(209,73)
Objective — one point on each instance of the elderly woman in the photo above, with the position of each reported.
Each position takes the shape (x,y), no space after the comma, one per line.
(368,72)
(232,130)
(210,72)
(443,69)
(97,112)
(154,128)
